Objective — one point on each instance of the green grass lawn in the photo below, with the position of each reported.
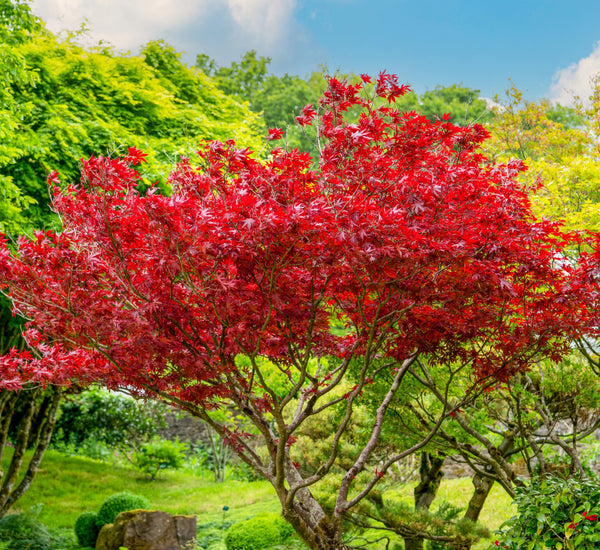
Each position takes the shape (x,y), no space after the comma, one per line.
(67,486)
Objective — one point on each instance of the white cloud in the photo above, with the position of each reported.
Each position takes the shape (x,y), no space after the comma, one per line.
(266,22)
(576,79)
(223,29)
(124,23)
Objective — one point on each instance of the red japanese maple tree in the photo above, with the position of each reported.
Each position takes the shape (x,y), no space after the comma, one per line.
(286,287)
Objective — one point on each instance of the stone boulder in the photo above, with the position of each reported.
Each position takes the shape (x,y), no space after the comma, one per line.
(148,530)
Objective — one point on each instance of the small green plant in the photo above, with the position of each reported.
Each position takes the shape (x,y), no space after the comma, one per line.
(554,513)
(447,513)
(25,531)
(159,454)
(117,503)
(86,529)
(262,531)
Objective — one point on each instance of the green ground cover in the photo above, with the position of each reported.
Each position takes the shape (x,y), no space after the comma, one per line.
(67,486)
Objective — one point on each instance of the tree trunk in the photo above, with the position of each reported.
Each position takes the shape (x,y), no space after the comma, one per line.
(430,474)
(32,417)
(483,485)
(314,527)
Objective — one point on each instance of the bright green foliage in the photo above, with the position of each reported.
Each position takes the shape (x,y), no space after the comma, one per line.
(61,102)
(571,191)
(532,131)
(262,531)
(159,454)
(86,529)
(559,146)
(14,73)
(17,23)
(278,98)
(120,502)
(554,513)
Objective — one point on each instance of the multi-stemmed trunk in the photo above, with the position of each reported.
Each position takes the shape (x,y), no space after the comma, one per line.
(31,413)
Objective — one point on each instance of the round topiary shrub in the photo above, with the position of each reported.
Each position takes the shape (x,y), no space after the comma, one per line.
(117,503)
(284,528)
(86,529)
(262,531)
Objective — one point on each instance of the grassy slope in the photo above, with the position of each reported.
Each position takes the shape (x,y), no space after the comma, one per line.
(69,485)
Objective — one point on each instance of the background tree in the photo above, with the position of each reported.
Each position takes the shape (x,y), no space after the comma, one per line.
(403,234)
(113,419)
(62,102)
(278,99)
(463,104)
(559,146)
(540,417)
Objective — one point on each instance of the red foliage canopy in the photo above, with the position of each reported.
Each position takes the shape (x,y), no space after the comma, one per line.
(403,232)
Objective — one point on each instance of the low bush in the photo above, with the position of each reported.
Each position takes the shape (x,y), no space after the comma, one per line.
(117,503)
(262,531)
(554,513)
(86,529)
(159,454)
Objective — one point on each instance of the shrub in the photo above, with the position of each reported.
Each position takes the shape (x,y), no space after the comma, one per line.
(25,531)
(158,455)
(554,513)
(86,529)
(284,528)
(96,421)
(117,503)
(262,531)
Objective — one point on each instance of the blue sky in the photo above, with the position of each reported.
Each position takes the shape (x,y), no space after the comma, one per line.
(548,48)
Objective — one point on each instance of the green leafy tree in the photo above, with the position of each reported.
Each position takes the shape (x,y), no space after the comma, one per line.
(244,79)
(462,104)
(114,419)
(559,147)
(62,102)
(279,99)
